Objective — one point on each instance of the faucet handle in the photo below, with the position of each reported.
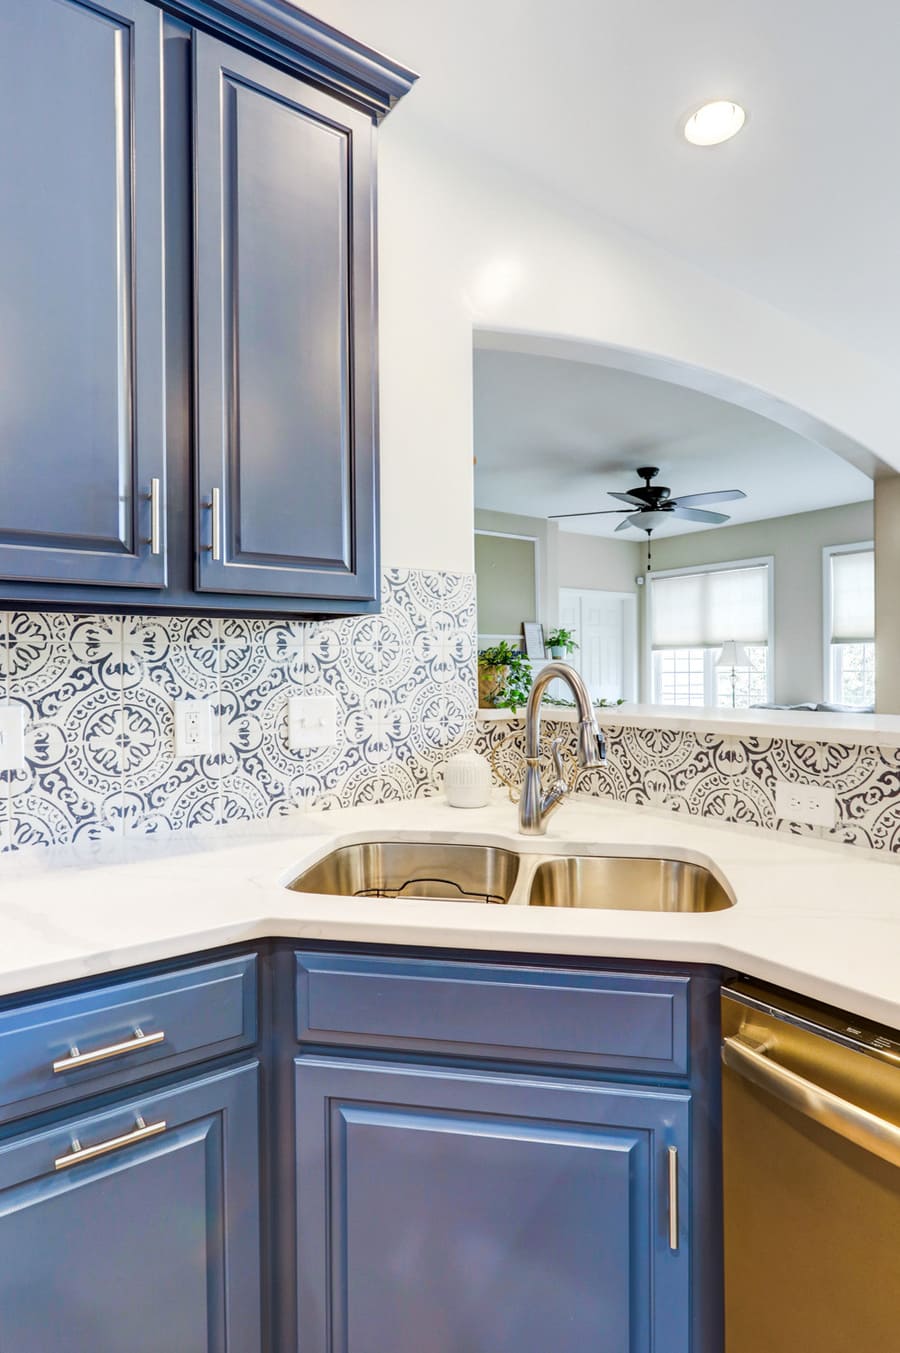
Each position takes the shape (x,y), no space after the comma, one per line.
(558,765)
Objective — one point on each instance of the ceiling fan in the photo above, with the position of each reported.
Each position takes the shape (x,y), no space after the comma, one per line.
(651,505)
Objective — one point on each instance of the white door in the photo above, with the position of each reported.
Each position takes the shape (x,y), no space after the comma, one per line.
(605,628)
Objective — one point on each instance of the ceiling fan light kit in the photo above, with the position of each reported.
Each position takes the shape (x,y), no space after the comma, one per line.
(651,505)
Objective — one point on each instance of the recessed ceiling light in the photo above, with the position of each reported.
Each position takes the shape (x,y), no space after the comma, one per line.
(714,122)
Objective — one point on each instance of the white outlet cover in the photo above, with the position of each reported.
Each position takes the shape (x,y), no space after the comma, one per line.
(193,728)
(312,721)
(12,737)
(812,805)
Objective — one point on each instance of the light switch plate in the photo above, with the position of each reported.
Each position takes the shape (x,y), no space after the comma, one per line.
(12,737)
(193,728)
(813,805)
(312,721)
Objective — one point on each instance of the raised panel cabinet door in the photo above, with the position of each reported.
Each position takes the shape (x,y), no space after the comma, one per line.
(150,1246)
(82,449)
(467,1213)
(285,334)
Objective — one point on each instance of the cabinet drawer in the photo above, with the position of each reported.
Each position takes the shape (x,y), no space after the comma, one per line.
(616,1021)
(85,1041)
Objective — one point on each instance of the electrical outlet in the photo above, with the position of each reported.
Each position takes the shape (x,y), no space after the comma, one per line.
(813,805)
(12,737)
(193,728)
(312,721)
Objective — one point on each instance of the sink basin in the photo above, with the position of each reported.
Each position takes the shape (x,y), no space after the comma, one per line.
(621,883)
(416,869)
(471,873)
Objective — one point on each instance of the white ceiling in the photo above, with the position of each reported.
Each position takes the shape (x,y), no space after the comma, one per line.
(584,99)
(555,436)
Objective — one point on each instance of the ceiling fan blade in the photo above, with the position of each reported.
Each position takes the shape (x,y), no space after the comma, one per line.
(630,521)
(697,514)
(719,496)
(602,512)
(629,498)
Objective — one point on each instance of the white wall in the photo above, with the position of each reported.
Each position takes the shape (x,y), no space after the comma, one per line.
(506,575)
(546,533)
(796,542)
(887,595)
(462,246)
(461,249)
(567,559)
(591,561)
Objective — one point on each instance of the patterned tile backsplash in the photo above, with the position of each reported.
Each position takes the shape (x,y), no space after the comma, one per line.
(98,693)
(730,779)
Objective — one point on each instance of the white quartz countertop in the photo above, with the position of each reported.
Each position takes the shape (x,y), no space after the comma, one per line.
(821,920)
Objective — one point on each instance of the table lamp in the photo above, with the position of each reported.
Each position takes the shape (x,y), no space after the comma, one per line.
(733,655)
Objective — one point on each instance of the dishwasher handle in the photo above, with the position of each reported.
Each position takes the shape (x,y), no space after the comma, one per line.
(866,1130)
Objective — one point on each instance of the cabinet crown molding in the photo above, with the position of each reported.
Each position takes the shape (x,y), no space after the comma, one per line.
(305,45)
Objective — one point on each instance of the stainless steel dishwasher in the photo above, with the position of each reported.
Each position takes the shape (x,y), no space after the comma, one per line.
(811,1131)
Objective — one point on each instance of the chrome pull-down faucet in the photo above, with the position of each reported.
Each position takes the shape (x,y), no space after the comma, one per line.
(534,806)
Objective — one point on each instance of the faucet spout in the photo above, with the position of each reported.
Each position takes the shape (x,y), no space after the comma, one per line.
(535,808)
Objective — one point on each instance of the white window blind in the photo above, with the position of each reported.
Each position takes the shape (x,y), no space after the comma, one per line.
(704,610)
(853,597)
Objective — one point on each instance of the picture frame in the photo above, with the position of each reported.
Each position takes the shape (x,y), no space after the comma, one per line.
(535,647)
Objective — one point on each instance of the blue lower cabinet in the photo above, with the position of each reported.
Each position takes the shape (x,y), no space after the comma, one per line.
(118,1233)
(461,1212)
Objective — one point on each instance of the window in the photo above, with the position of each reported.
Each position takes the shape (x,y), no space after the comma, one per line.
(849,578)
(679,676)
(694,615)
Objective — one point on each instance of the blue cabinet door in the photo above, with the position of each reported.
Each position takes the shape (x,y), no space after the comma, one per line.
(466,1213)
(81,300)
(284,205)
(151,1245)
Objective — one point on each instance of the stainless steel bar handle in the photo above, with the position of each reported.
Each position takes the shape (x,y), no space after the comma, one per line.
(155,497)
(139,1039)
(672,1154)
(79,1153)
(867,1130)
(215,531)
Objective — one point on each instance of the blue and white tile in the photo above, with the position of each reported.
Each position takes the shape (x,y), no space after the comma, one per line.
(5,842)
(392,784)
(73,775)
(325,644)
(36,654)
(99,690)
(95,642)
(250,720)
(380,649)
(442,720)
(437,591)
(164,661)
(242,655)
(310,773)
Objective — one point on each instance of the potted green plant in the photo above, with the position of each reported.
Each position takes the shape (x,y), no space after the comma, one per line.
(561,642)
(504,677)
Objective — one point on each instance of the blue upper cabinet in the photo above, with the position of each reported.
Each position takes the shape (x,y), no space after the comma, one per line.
(187,308)
(454,1211)
(285,329)
(82,439)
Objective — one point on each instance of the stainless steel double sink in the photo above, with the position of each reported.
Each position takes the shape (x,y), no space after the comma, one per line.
(491,874)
